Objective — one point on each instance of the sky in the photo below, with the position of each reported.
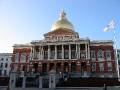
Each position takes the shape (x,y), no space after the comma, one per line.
(22,21)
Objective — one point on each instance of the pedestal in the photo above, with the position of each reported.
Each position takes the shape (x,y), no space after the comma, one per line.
(24,82)
(12,80)
(40,82)
(52,77)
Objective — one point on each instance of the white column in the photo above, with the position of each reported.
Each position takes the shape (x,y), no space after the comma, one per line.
(33,52)
(86,50)
(69,51)
(76,51)
(24,81)
(40,82)
(48,52)
(39,53)
(12,80)
(62,51)
(42,54)
(55,52)
(52,83)
(79,51)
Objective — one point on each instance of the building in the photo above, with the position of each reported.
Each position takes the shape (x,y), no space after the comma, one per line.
(63,50)
(118,56)
(5,61)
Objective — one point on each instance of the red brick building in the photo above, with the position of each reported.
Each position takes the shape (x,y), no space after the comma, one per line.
(64,51)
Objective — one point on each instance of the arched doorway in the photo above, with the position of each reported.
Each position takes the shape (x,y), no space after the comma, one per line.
(35,66)
(51,66)
(44,67)
(58,67)
(83,65)
(83,68)
(73,67)
(66,67)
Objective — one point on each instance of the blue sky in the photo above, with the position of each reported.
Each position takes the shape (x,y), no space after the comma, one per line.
(24,20)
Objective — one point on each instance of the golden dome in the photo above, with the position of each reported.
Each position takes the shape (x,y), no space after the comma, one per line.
(62,23)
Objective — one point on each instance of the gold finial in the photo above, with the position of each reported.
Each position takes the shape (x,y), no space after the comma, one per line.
(62,15)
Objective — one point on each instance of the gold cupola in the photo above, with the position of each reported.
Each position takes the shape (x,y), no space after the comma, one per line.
(62,23)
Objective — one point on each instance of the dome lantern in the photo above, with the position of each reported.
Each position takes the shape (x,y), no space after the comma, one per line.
(62,15)
(62,23)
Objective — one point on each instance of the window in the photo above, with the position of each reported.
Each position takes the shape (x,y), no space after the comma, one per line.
(5,72)
(23,57)
(119,62)
(1,65)
(45,54)
(101,66)
(52,56)
(66,54)
(2,59)
(92,54)
(73,54)
(94,67)
(108,55)
(28,56)
(6,65)
(82,55)
(100,55)
(118,55)
(17,57)
(6,59)
(59,54)
(0,72)
(109,66)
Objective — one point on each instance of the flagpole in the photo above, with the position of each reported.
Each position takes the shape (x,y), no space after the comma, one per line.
(116,58)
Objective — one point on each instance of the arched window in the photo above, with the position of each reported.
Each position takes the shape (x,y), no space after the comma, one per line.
(100,55)
(108,55)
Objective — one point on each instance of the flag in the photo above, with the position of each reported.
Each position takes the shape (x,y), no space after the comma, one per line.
(110,26)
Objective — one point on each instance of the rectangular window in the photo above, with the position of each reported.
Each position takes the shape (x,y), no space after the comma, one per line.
(6,59)
(66,54)
(6,65)
(101,66)
(1,65)
(118,55)
(0,72)
(23,57)
(2,59)
(5,72)
(45,54)
(28,56)
(17,57)
(52,56)
(82,55)
(109,66)
(73,54)
(36,55)
(92,54)
(59,54)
